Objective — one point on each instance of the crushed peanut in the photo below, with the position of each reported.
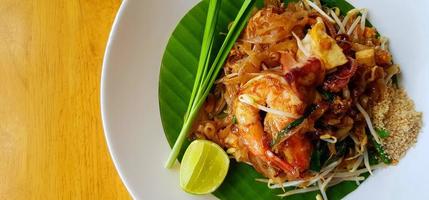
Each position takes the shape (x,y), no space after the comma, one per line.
(396,113)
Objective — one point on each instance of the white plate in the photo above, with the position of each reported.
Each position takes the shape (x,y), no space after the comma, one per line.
(129,96)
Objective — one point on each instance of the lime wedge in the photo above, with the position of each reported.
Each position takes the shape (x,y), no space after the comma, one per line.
(203,168)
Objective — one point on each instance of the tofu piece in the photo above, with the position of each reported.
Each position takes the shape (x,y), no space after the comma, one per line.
(366,57)
(324,47)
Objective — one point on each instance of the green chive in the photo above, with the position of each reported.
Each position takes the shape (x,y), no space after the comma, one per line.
(329,96)
(381,153)
(206,77)
(206,48)
(286,130)
(233,34)
(383,133)
(234,120)
(281,134)
(315,161)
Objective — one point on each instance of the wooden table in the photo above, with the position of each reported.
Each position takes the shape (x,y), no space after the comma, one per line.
(51,138)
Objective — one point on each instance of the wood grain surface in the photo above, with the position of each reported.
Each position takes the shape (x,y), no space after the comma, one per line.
(51,138)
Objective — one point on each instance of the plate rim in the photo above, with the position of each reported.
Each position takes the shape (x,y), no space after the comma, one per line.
(105,66)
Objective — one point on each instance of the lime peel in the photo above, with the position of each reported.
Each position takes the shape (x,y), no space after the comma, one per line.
(204,167)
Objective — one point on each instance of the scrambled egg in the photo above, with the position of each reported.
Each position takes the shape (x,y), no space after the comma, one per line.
(318,43)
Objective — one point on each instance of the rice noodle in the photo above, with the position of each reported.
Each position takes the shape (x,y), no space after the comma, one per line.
(260,76)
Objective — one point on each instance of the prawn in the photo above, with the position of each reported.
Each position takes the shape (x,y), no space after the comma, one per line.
(271,93)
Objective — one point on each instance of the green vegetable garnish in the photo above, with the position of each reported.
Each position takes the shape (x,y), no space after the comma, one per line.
(328,96)
(206,75)
(281,134)
(381,153)
(206,48)
(373,157)
(234,120)
(383,133)
(286,130)
(317,156)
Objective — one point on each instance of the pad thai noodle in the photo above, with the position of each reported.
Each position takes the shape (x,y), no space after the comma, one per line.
(298,94)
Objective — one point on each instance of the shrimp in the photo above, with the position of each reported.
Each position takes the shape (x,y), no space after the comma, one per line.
(283,106)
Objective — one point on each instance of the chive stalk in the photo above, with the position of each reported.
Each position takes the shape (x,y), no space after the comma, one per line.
(206,77)
(206,48)
(381,152)
(234,32)
(285,131)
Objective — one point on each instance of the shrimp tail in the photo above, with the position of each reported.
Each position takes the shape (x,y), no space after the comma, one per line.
(284,165)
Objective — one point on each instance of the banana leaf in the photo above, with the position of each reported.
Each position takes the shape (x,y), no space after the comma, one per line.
(177,74)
